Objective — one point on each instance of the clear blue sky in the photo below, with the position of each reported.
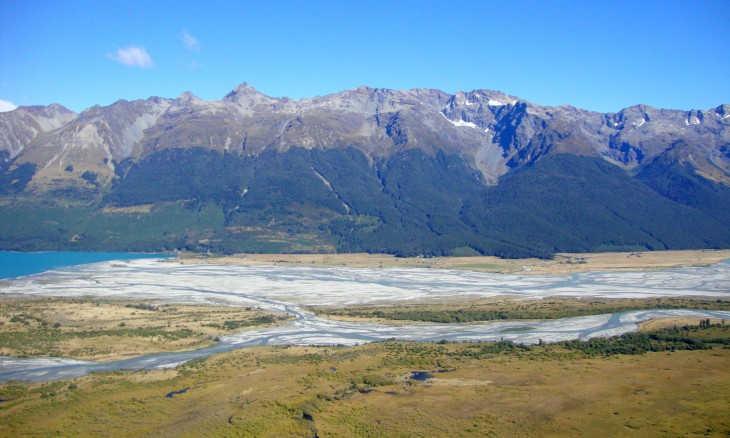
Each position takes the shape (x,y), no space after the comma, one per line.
(601,56)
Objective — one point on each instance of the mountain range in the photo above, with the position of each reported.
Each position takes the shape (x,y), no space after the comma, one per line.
(418,172)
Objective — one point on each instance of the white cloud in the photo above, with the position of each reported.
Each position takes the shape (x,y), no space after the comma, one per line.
(132,56)
(191,43)
(6,105)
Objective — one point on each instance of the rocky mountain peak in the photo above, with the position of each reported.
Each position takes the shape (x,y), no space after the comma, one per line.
(59,109)
(246,98)
(245,92)
(54,112)
(186,98)
(492,97)
(723,109)
(19,128)
(495,130)
(478,101)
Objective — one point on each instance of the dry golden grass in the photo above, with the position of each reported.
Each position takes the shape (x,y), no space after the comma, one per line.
(270,391)
(110,330)
(655,394)
(146,208)
(663,323)
(561,264)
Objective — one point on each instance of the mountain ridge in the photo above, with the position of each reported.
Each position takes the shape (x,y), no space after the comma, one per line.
(414,172)
(512,130)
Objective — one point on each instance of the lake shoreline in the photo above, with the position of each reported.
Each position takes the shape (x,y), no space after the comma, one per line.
(16,264)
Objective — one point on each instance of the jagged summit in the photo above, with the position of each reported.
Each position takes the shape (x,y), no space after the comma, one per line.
(187,96)
(37,109)
(495,131)
(244,90)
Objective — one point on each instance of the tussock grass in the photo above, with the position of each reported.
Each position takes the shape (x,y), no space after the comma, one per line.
(109,330)
(478,389)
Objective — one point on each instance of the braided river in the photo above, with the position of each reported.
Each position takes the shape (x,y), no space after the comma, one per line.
(288,289)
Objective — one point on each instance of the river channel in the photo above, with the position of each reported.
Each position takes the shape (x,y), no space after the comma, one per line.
(287,289)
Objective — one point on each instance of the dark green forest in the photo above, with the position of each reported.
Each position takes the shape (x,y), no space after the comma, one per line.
(338,199)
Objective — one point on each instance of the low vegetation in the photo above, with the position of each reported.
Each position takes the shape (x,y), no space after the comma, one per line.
(702,337)
(648,385)
(501,309)
(109,330)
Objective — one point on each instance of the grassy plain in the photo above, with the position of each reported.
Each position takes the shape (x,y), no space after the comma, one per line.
(367,391)
(560,264)
(114,330)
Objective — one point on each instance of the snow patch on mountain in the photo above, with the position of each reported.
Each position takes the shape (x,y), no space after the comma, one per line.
(460,123)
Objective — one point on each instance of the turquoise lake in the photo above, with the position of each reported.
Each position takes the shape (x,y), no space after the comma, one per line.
(17,264)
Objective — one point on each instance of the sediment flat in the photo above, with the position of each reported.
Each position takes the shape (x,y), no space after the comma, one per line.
(285,289)
(563,263)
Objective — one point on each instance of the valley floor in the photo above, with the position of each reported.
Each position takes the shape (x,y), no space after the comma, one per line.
(475,389)
(368,391)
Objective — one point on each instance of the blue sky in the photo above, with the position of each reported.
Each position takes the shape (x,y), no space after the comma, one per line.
(602,56)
